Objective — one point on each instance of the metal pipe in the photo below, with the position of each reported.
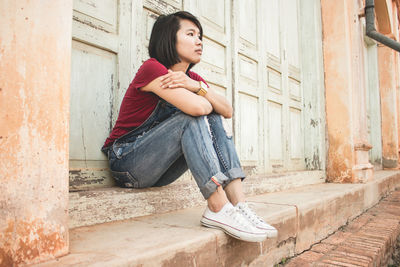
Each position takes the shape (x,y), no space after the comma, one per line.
(370,27)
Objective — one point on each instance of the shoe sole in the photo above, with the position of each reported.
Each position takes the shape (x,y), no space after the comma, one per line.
(269,233)
(232,231)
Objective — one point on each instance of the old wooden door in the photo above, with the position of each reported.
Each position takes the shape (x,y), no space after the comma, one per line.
(283,98)
(100,66)
(268,86)
(251,55)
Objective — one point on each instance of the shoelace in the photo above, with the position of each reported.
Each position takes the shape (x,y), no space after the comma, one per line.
(249,213)
(236,216)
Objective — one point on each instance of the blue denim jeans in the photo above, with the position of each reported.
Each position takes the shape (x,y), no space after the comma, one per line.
(168,143)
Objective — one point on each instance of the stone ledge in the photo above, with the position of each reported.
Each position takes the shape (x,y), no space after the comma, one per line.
(112,204)
(303,216)
(369,240)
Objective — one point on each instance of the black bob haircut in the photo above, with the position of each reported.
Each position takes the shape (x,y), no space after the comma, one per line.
(162,45)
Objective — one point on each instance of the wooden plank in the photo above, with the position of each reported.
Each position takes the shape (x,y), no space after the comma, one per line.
(249,122)
(90,90)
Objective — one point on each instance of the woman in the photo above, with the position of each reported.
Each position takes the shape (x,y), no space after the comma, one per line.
(170,120)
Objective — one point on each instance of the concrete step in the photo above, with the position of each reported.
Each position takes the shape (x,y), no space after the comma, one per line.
(303,217)
(369,240)
(111,204)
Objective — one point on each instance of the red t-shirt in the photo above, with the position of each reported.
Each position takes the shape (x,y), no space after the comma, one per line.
(137,105)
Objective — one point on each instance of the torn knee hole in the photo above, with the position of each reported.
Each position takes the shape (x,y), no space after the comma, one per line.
(227,126)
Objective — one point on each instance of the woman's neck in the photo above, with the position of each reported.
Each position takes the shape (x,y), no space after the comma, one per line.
(181,66)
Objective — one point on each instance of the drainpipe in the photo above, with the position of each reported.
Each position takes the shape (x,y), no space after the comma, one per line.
(370,27)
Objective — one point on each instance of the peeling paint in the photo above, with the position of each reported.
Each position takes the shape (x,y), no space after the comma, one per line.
(89,23)
(313,163)
(31,241)
(314,123)
(88,178)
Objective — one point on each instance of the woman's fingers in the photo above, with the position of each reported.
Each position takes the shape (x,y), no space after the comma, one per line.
(166,76)
(166,81)
(176,85)
(173,79)
(171,84)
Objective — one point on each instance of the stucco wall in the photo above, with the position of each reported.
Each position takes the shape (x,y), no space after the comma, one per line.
(346,116)
(35,47)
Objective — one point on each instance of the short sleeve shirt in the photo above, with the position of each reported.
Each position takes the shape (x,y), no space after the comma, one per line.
(137,105)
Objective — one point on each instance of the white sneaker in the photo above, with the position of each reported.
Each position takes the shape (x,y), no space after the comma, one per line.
(258,222)
(232,222)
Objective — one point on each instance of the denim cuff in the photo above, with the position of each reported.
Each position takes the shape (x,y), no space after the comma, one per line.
(211,186)
(234,173)
(222,179)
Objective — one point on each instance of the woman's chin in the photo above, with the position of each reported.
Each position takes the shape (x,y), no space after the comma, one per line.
(196,60)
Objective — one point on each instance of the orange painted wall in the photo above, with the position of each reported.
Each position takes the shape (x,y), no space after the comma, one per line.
(35,51)
(388,74)
(396,25)
(346,92)
(338,84)
(345,73)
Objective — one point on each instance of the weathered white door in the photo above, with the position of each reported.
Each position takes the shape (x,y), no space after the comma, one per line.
(268,88)
(248,81)
(100,66)
(251,55)
(283,98)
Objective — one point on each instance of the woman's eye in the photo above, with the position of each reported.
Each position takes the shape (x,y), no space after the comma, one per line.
(190,33)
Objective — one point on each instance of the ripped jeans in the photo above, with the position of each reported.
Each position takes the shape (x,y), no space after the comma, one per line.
(168,143)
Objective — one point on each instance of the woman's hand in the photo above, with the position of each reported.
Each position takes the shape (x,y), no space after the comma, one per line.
(178,79)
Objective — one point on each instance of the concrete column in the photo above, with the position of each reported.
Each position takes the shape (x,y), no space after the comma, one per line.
(390,142)
(35,48)
(397,69)
(345,94)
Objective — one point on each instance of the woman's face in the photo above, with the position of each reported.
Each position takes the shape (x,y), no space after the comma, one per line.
(188,43)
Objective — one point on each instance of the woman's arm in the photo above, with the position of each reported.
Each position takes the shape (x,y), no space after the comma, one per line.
(178,79)
(181,98)
(219,103)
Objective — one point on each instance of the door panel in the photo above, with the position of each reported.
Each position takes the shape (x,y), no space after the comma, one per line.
(273,29)
(275,133)
(296,140)
(248,22)
(285,126)
(100,62)
(247,106)
(290,11)
(92,83)
(249,129)
(100,13)
(94,76)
